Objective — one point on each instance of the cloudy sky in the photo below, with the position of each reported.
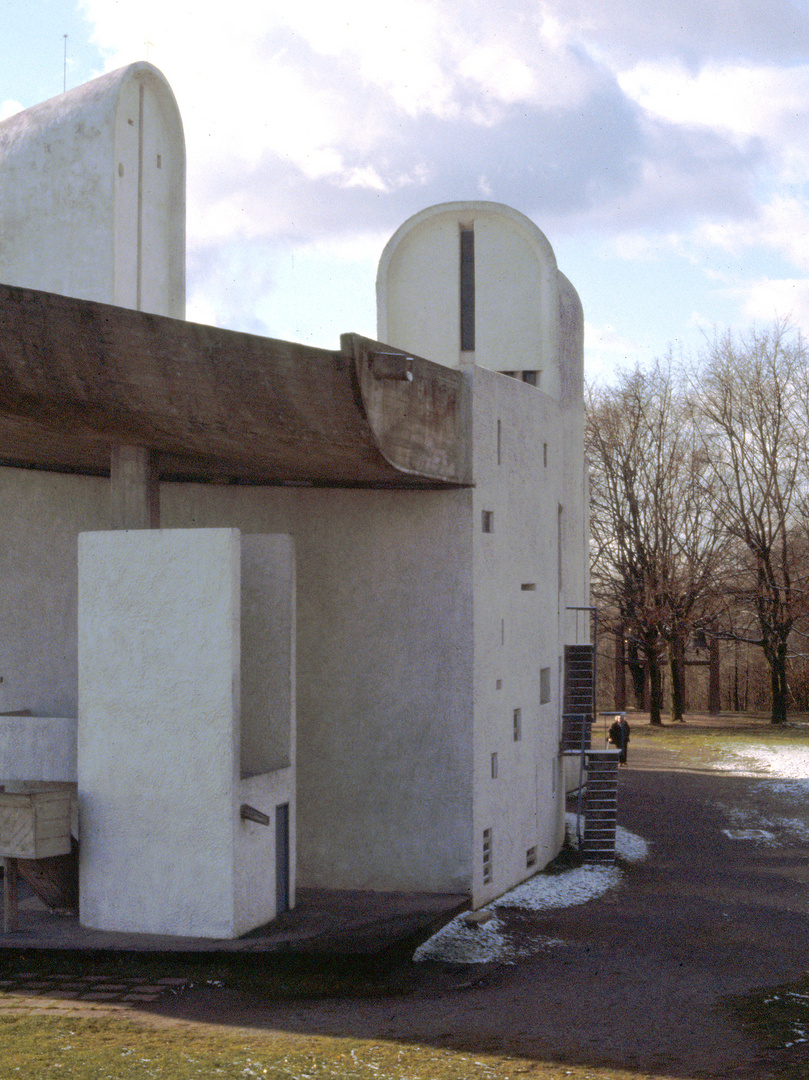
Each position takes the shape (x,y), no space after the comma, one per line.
(662,149)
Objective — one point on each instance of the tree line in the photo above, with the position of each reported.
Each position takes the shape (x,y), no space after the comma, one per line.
(700,507)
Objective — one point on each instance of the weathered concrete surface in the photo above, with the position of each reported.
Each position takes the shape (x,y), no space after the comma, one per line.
(77,378)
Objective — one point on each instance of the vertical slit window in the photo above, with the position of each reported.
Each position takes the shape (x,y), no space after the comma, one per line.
(487,856)
(467,290)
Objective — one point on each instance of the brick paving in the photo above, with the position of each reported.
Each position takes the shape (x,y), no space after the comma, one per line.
(90,988)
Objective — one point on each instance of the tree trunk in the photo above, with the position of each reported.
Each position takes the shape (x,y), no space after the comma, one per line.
(637,670)
(676,653)
(778,683)
(714,693)
(655,684)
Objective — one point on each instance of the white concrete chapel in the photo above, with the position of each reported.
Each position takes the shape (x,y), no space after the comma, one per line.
(284,616)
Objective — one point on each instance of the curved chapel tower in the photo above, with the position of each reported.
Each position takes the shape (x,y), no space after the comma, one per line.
(92,185)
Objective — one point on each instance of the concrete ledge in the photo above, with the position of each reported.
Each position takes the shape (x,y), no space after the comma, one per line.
(38,748)
(325,923)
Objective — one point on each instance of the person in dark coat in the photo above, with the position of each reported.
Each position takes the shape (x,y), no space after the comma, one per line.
(619,736)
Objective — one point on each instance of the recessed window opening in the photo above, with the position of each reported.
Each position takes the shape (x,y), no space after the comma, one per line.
(499,427)
(487,856)
(494,766)
(498,685)
(488,521)
(530,858)
(517,725)
(502,631)
(544,685)
(467,290)
(529,586)
(531,378)
(160,161)
(545,455)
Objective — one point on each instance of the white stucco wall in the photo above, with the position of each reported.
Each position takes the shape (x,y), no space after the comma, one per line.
(42,515)
(163,847)
(384,656)
(92,190)
(516,629)
(384,684)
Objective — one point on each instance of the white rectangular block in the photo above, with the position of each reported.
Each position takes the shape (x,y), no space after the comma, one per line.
(159,758)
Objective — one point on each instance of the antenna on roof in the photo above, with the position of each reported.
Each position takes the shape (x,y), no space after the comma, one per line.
(64,66)
(147,44)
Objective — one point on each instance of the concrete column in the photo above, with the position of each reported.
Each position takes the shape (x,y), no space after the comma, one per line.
(134,488)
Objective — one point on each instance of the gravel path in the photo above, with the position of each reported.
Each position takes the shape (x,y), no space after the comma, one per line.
(634,978)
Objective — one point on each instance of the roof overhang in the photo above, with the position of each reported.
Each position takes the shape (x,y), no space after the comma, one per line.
(78,377)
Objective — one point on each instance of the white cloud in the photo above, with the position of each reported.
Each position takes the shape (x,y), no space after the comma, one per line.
(770,298)
(743,101)
(606,339)
(781,225)
(305,122)
(9,108)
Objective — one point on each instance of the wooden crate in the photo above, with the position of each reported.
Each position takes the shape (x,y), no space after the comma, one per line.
(35,824)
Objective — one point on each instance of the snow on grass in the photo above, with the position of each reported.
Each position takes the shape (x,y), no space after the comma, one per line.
(785,771)
(777,762)
(460,943)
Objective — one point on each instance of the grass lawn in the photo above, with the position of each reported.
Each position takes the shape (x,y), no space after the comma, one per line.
(109,1048)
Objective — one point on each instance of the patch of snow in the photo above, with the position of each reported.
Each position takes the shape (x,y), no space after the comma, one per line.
(546,891)
(629,847)
(480,943)
(459,943)
(779,762)
(750,834)
(796,827)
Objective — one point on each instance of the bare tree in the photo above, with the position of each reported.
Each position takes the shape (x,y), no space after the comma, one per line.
(655,540)
(748,397)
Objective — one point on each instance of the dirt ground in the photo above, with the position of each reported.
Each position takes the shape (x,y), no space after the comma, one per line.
(639,977)
(634,980)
